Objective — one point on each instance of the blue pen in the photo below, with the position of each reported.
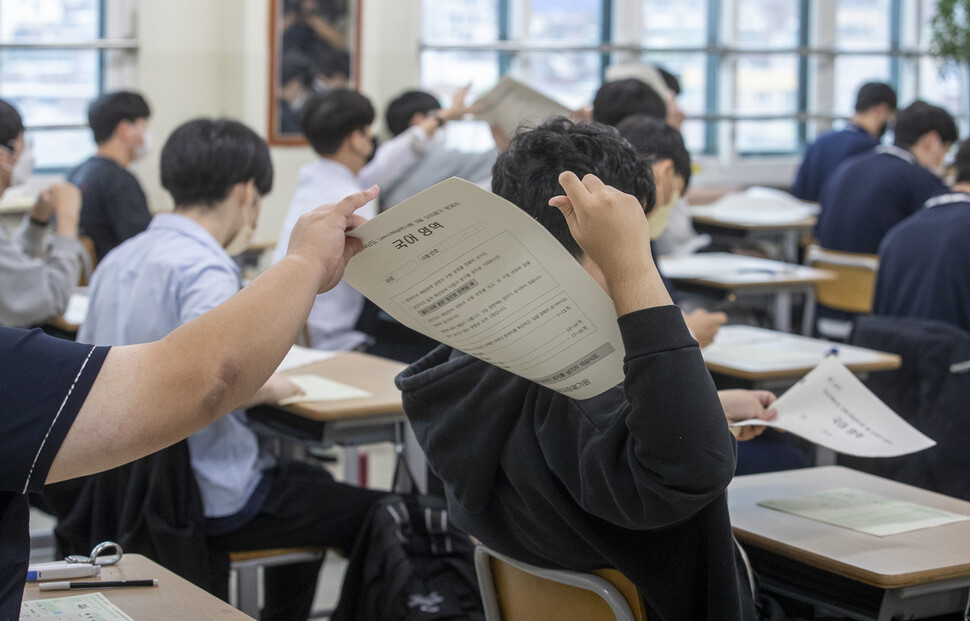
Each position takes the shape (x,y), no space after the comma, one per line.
(834,351)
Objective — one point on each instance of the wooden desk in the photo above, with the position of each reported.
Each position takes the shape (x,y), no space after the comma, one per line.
(758,355)
(740,275)
(348,422)
(910,575)
(174,599)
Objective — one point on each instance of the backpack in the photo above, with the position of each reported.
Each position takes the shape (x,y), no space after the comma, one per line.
(410,563)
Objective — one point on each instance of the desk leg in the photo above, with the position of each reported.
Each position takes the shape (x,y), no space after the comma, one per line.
(413,456)
(789,245)
(352,465)
(824,456)
(808,313)
(783,311)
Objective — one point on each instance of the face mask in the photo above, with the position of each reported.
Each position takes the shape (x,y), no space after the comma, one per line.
(23,168)
(238,244)
(660,215)
(146,145)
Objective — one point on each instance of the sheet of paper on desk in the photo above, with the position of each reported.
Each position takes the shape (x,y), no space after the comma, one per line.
(863,511)
(301,356)
(316,388)
(511,103)
(77,307)
(87,607)
(467,268)
(831,407)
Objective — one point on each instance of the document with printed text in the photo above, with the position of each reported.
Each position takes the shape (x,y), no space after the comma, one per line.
(88,607)
(863,511)
(472,270)
(831,407)
(511,103)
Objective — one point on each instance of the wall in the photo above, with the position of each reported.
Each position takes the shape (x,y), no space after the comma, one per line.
(211,59)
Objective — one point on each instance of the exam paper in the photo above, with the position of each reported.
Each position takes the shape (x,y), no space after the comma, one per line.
(831,407)
(87,607)
(467,268)
(864,512)
(511,103)
(77,308)
(301,356)
(316,388)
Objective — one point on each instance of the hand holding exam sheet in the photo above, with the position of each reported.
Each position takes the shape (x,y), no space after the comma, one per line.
(472,270)
(831,407)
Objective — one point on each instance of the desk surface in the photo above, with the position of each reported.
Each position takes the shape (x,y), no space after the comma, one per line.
(174,599)
(758,354)
(722,270)
(745,221)
(902,560)
(371,373)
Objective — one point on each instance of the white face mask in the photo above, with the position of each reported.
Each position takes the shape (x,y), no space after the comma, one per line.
(659,216)
(146,145)
(23,168)
(240,242)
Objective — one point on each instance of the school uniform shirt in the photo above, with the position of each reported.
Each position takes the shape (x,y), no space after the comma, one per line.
(144,289)
(113,205)
(871,193)
(43,383)
(37,274)
(437,164)
(333,318)
(824,155)
(924,264)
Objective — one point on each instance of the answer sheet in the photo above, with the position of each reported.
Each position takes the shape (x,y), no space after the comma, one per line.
(511,103)
(467,268)
(831,407)
(88,607)
(316,388)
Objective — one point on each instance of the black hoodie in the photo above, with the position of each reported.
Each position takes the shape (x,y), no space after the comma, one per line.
(632,479)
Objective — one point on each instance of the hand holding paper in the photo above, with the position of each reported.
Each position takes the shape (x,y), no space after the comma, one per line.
(748,405)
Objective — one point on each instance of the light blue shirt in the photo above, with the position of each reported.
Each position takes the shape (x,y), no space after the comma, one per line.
(150,285)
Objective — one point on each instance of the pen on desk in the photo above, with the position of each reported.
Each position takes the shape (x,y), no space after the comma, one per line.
(70,586)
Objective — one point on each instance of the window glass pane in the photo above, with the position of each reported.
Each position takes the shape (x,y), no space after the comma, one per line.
(674,23)
(690,70)
(767,85)
(862,25)
(50,87)
(442,72)
(693,132)
(768,23)
(851,72)
(756,137)
(570,78)
(49,19)
(60,148)
(462,21)
(948,89)
(575,21)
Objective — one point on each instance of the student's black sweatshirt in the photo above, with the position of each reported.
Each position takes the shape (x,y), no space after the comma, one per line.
(632,479)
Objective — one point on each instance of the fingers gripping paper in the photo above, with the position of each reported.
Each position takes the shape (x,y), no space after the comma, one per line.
(831,407)
(469,269)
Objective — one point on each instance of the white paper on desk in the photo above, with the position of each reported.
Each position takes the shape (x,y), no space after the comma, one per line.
(316,388)
(863,511)
(831,407)
(87,607)
(77,308)
(723,266)
(467,268)
(511,103)
(301,356)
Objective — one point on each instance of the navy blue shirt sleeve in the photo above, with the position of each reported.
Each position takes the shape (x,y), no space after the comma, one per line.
(43,384)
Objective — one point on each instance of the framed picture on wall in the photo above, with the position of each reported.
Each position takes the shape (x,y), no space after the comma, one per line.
(314,46)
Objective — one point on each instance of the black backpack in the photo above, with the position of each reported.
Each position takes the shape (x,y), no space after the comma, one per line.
(410,564)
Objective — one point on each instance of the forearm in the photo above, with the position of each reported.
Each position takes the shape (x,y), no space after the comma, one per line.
(637,286)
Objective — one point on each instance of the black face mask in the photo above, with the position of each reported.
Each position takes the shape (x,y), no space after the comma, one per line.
(375,142)
(882,130)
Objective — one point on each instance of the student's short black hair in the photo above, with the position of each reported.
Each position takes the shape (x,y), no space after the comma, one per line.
(670,80)
(203,159)
(406,105)
(962,162)
(921,118)
(527,173)
(619,99)
(329,118)
(871,94)
(295,66)
(105,113)
(11,124)
(656,140)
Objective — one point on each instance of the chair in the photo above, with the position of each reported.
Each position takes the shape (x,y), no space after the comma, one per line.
(246,566)
(89,262)
(516,591)
(850,292)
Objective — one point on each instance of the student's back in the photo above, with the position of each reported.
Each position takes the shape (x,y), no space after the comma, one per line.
(114,206)
(825,155)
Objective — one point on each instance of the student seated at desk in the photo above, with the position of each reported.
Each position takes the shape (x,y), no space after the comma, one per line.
(924,262)
(72,410)
(870,193)
(875,107)
(37,271)
(114,206)
(338,126)
(217,173)
(632,479)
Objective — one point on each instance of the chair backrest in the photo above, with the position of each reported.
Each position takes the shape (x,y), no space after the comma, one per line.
(91,261)
(855,281)
(516,591)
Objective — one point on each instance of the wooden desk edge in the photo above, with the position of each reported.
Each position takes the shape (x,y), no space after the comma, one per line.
(888,362)
(806,223)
